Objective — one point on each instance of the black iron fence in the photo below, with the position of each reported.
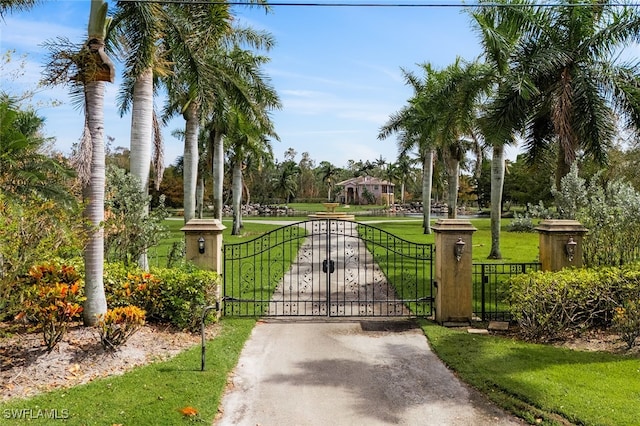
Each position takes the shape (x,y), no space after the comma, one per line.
(490,288)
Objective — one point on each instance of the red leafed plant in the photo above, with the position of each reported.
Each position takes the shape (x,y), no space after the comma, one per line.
(118,324)
(52,299)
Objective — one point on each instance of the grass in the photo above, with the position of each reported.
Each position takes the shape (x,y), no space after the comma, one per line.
(150,395)
(542,383)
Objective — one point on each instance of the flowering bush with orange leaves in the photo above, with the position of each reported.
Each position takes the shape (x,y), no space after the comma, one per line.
(119,324)
(626,322)
(51,298)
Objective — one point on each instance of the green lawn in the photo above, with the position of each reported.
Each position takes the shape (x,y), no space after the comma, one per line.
(543,383)
(149,395)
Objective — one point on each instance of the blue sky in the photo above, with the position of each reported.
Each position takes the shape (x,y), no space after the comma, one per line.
(337,71)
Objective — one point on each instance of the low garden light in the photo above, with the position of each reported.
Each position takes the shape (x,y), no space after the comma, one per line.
(570,248)
(459,248)
(201,245)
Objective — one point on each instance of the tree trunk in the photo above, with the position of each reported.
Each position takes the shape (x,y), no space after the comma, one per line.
(427,181)
(563,167)
(497,183)
(200,198)
(237,197)
(190,161)
(218,174)
(96,303)
(453,180)
(141,137)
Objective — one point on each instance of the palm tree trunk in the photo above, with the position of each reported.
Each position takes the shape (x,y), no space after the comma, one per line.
(454,172)
(237,197)
(497,183)
(190,161)
(200,198)
(141,137)
(96,303)
(218,174)
(427,181)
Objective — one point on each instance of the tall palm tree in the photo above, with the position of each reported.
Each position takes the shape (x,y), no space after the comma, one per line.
(87,70)
(246,138)
(567,75)
(135,31)
(250,92)
(202,45)
(500,29)
(416,129)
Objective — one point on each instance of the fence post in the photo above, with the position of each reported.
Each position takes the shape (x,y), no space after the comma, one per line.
(204,243)
(453,270)
(560,244)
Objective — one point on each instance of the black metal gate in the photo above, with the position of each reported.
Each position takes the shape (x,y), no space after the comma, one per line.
(328,267)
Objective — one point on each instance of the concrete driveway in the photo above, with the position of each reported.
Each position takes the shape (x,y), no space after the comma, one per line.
(360,372)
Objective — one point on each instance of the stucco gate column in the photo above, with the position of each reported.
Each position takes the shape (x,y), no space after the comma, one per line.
(204,243)
(453,275)
(560,244)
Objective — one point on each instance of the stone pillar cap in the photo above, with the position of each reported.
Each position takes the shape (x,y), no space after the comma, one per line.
(561,225)
(453,225)
(203,225)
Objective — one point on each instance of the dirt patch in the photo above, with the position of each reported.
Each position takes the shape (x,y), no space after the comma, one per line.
(26,369)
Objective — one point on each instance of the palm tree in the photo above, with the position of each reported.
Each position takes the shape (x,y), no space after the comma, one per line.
(208,66)
(287,183)
(11,5)
(136,29)
(416,129)
(500,30)
(250,93)
(88,69)
(246,138)
(404,165)
(25,172)
(328,173)
(566,74)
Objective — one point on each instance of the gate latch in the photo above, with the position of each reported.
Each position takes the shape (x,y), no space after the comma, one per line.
(329,265)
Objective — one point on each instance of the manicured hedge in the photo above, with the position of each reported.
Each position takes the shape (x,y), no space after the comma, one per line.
(550,305)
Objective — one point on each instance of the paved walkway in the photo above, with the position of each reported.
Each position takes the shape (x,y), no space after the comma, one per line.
(308,373)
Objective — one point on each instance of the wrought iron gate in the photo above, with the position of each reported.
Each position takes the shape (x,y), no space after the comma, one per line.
(328,267)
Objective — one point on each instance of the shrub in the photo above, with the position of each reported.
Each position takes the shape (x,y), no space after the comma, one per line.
(32,232)
(174,296)
(548,305)
(521,223)
(129,229)
(626,322)
(118,325)
(52,298)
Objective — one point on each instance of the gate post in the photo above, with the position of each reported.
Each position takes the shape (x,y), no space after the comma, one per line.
(560,244)
(204,243)
(453,274)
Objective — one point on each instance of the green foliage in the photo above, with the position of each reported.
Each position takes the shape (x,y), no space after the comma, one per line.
(626,321)
(174,296)
(32,232)
(129,229)
(550,305)
(521,223)
(51,297)
(609,211)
